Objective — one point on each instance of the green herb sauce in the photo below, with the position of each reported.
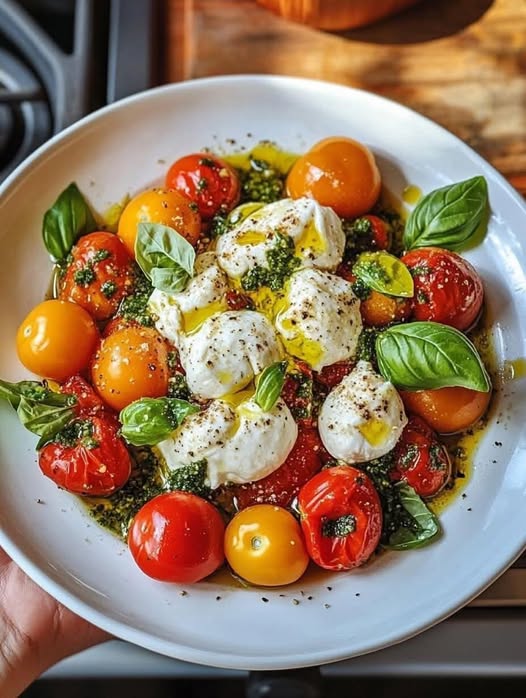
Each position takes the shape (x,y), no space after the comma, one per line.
(281,264)
(135,306)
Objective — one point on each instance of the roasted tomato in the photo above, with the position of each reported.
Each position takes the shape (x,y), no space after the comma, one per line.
(447,287)
(447,410)
(164,206)
(265,546)
(99,275)
(239,301)
(87,457)
(379,309)
(177,537)
(281,486)
(420,459)
(331,376)
(88,402)
(129,364)
(337,172)
(207,181)
(341,517)
(56,339)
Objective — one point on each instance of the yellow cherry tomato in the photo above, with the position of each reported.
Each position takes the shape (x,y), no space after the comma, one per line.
(337,172)
(56,340)
(164,206)
(130,363)
(264,545)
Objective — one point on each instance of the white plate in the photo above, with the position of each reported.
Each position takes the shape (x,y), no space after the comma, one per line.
(125,148)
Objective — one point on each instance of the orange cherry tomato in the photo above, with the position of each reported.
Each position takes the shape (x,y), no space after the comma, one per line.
(177,537)
(447,410)
(56,339)
(337,172)
(379,309)
(164,206)
(130,363)
(264,545)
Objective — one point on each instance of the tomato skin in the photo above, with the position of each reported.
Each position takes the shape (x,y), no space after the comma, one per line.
(281,486)
(130,363)
(94,471)
(447,287)
(264,545)
(447,410)
(88,402)
(177,537)
(420,459)
(207,181)
(337,172)
(339,492)
(238,301)
(164,206)
(47,336)
(379,309)
(381,238)
(97,282)
(331,376)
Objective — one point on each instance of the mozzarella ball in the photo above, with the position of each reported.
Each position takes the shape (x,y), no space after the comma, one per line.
(319,319)
(362,418)
(240,443)
(316,231)
(227,352)
(181,313)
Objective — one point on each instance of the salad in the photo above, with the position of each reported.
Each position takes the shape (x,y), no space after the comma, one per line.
(259,362)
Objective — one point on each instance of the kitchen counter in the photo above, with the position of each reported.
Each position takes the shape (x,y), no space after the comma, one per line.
(462,63)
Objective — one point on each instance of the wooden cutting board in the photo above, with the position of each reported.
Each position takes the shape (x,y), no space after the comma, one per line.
(460,62)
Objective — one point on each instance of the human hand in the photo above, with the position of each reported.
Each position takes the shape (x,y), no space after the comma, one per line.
(36,631)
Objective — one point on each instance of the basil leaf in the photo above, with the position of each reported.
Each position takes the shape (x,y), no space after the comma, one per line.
(165,257)
(68,219)
(270,385)
(448,217)
(428,355)
(148,421)
(385,273)
(39,409)
(427,526)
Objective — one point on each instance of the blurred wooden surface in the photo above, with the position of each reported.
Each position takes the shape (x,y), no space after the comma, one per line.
(460,62)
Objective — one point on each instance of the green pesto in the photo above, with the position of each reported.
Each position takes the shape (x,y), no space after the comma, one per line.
(261,182)
(79,432)
(281,264)
(302,405)
(361,290)
(340,527)
(366,350)
(190,478)
(219,225)
(108,289)
(84,276)
(178,387)
(394,514)
(407,456)
(101,255)
(135,306)
(375,271)
(146,482)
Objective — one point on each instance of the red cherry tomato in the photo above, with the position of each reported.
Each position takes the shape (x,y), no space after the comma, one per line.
(378,231)
(281,486)
(420,459)
(88,402)
(207,181)
(99,275)
(177,537)
(341,517)
(331,376)
(89,459)
(239,301)
(447,287)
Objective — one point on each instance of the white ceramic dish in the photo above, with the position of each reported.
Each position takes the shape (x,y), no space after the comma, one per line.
(125,148)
